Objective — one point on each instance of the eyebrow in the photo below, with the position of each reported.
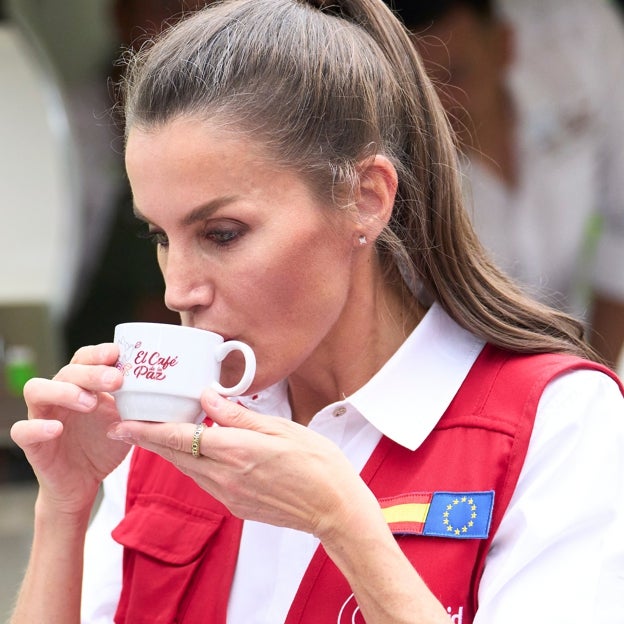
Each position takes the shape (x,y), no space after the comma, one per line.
(200,213)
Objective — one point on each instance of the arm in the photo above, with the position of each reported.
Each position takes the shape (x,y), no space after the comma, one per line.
(65,442)
(560,542)
(52,584)
(277,472)
(385,584)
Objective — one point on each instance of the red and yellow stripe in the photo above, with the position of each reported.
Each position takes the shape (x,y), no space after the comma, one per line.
(406,513)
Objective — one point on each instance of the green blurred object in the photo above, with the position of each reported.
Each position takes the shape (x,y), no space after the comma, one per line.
(19,367)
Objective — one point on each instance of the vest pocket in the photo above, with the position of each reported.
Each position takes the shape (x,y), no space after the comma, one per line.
(164,541)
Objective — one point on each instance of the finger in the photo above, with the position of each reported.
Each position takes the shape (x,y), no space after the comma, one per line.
(176,437)
(172,441)
(106,353)
(94,377)
(26,433)
(45,392)
(228,413)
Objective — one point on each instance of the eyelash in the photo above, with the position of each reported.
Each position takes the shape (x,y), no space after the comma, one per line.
(156,238)
(220,237)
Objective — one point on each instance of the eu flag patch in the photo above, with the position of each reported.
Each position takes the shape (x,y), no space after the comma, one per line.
(459,515)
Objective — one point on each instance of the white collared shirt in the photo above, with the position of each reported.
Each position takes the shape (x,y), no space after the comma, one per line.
(576,453)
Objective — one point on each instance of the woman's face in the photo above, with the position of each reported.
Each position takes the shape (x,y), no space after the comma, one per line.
(244,247)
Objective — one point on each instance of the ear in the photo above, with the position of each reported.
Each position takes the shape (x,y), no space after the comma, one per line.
(378,182)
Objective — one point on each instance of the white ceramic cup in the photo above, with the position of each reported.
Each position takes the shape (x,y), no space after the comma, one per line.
(166,368)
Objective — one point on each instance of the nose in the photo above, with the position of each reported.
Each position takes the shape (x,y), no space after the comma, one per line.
(187,285)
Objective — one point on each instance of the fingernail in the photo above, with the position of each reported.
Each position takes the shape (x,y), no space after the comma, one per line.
(88,399)
(119,433)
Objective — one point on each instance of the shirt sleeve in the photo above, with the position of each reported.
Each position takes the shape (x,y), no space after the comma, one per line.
(101,585)
(558,555)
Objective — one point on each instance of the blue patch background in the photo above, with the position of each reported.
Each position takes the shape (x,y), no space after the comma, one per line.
(460,515)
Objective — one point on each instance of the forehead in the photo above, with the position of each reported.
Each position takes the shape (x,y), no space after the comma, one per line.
(186,159)
(187,162)
(188,141)
(193,152)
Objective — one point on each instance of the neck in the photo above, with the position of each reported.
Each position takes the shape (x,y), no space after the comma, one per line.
(365,337)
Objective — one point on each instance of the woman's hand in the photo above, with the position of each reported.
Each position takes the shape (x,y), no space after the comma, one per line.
(64,438)
(278,472)
(261,467)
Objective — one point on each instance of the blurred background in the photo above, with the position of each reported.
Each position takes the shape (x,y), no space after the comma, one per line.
(72,261)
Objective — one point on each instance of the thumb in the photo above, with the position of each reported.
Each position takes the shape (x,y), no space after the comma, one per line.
(227,413)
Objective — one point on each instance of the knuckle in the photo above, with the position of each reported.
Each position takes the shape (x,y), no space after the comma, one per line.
(62,372)
(237,414)
(95,354)
(31,388)
(243,462)
(80,354)
(174,440)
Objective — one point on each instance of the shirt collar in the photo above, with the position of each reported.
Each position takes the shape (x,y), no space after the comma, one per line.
(409,395)
(411,392)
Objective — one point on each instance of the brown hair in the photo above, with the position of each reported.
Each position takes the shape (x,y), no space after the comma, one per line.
(325,85)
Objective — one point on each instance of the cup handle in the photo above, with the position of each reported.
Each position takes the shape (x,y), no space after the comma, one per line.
(250,367)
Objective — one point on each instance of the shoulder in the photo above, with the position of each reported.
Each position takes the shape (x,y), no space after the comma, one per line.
(532,370)
(509,387)
(580,409)
(582,387)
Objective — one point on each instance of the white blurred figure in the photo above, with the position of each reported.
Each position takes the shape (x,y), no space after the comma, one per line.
(534,91)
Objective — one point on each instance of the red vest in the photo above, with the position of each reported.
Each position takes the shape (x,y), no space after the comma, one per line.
(181,545)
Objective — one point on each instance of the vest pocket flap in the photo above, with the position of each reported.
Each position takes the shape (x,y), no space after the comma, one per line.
(167,530)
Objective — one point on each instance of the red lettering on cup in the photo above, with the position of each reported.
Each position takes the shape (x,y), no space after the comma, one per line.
(149,372)
(151,365)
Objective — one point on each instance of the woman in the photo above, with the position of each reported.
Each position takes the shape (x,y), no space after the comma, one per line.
(297,175)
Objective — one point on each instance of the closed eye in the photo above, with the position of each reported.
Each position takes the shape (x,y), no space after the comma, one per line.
(156,237)
(222,237)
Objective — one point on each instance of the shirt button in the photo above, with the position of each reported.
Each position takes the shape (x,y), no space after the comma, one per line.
(340,411)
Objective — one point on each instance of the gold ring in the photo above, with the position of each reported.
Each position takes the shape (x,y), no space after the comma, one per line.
(197,440)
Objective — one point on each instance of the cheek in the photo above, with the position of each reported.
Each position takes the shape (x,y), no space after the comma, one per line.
(290,306)
(295,267)
(292,303)
(306,280)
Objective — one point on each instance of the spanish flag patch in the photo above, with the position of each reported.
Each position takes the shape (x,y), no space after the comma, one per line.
(459,515)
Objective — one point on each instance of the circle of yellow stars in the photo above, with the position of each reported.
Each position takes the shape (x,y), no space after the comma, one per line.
(464,500)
